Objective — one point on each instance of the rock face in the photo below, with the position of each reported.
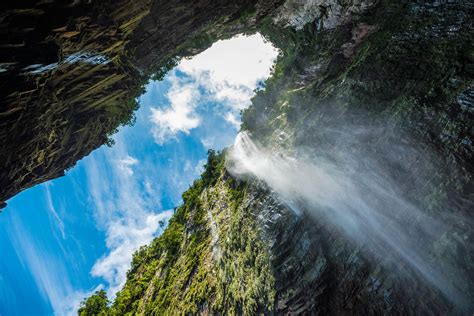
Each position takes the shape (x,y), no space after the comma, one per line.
(386,81)
(383,88)
(326,14)
(70,72)
(66,84)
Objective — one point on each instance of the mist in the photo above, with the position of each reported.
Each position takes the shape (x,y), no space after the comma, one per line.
(354,193)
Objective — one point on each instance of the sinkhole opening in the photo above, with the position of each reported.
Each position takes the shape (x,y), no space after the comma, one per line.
(126,193)
(195,108)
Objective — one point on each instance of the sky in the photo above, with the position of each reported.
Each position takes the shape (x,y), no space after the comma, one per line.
(62,240)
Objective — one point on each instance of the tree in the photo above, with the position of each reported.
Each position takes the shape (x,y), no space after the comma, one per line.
(96,304)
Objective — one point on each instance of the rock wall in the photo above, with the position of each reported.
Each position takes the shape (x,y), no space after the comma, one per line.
(65,84)
(390,88)
(70,72)
(210,260)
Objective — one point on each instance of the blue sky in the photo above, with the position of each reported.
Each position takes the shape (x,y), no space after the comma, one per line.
(62,240)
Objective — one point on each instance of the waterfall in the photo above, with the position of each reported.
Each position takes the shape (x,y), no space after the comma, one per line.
(367,207)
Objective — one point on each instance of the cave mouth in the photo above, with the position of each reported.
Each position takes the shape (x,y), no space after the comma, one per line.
(127,192)
(219,81)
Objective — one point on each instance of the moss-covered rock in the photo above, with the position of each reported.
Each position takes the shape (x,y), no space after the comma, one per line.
(210,258)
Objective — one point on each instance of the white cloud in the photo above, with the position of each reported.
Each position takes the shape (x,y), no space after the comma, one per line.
(180,116)
(123,210)
(48,271)
(231,69)
(149,189)
(187,166)
(232,119)
(208,142)
(199,169)
(126,164)
(240,61)
(194,171)
(52,210)
(123,239)
(228,72)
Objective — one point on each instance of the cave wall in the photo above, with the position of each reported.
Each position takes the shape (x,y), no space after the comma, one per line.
(394,87)
(71,71)
(65,84)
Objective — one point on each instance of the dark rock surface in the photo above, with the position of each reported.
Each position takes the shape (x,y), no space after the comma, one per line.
(65,84)
(70,72)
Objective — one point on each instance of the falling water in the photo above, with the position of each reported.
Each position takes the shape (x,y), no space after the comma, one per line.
(365,206)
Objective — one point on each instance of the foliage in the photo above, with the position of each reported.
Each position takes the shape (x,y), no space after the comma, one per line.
(97,304)
(245,284)
(167,266)
(180,273)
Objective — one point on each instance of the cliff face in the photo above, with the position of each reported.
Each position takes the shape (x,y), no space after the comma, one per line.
(379,89)
(65,85)
(210,259)
(384,96)
(70,72)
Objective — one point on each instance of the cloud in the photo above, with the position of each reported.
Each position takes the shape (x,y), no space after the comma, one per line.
(180,116)
(208,142)
(47,270)
(126,164)
(52,210)
(149,189)
(123,210)
(187,166)
(230,70)
(123,239)
(196,170)
(232,119)
(227,73)
(199,169)
(240,61)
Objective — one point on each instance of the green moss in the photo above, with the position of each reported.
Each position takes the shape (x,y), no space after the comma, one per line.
(246,285)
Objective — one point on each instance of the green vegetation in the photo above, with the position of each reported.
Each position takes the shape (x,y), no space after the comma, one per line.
(210,257)
(164,270)
(96,304)
(408,73)
(245,283)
